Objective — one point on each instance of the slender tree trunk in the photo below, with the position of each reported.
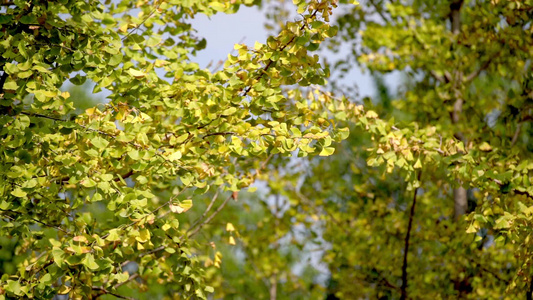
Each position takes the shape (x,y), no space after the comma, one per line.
(459,194)
(273,287)
(529,295)
(460,202)
(405,277)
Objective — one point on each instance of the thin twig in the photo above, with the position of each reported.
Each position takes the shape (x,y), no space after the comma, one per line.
(206,211)
(131,278)
(529,294)
(33,219)
(516,134)
(30,114)
(199,226)
(495,274)
(403,288)
(143,21)
(103,291)
(379,10)
(385,281)
(437,76)
(483,67)
(155,250)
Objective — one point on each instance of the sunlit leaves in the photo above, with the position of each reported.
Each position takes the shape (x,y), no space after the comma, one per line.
(92,192)
(181,207)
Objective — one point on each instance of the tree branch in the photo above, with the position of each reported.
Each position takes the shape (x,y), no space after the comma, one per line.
(103,291)
(403,288)
(436,76)
(206,211)
(131,278)
(516,134)
(199,226)
(483,67)
(379,10)
(35,220)
(143,21)
(529,294)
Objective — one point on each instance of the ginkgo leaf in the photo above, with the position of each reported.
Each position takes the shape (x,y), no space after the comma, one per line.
(485,147)
(181,207)
(136,73)
(229,227)
(418,164)
(327,151)
(18,192)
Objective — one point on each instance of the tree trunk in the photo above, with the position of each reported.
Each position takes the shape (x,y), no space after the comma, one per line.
(459,194)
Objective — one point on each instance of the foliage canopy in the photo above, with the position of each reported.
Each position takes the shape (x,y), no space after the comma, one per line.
(431,198)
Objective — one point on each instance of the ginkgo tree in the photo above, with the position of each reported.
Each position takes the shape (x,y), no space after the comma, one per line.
(123,196)
(93,202)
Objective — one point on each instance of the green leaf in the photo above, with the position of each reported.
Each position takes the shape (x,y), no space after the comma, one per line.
(10,85)
(18,192)
(116,59)
(90,262)
(78,79)
(14,287)
(100,142)
(122,277)
(113,235)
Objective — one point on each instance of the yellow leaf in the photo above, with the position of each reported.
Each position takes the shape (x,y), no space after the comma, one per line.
(123,28)
(90,111)
(144,236)
(327,151)
(471,229)
(181,207)
(231,240)
(229,227)
(485,147)
(160,63)
(418,164)
(371,114)
(175,156)
(218,259)
(80,238)
(18,192)
(63,290)
(136,73)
